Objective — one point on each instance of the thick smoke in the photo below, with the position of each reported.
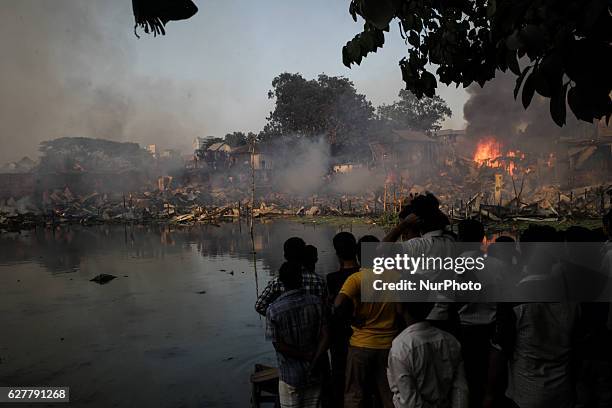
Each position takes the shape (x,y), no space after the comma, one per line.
(302,170)
(492,111)
(67,70)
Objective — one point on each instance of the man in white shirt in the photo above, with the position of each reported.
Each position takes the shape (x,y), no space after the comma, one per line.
(425,367)
(425,227)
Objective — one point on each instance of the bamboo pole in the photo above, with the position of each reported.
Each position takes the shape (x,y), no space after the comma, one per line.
(385,199)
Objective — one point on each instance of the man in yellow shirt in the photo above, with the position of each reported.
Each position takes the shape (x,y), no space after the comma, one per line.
(374,328)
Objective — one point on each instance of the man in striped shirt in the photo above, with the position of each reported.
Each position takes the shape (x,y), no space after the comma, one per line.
(296,323)
(294,251)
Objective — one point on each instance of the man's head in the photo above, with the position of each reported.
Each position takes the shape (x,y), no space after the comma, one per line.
(471,230)
(414,312)
(345,246)
(427,208)
(294,249)
(362,240)
(310,257)
(607,224)
(290,275)
(538,249)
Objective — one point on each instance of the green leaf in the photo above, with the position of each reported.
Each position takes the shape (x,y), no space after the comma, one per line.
(491,8)
(519,81)
(528,90)
(429,84)
(413,39)
(513,42)
(512,62)
(378,12)
(557,106)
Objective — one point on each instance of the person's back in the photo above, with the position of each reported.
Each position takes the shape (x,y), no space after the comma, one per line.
(296,324)
(539,365)
(345,246)
(287,313)
(374,327)
(373,323)
(425,364)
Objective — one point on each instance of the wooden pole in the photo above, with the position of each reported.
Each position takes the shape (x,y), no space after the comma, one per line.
(385,199)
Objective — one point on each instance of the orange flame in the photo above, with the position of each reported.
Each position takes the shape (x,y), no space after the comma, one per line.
(487,152)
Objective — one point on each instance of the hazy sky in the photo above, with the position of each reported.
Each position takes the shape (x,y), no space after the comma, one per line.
(234,48)
(75,68)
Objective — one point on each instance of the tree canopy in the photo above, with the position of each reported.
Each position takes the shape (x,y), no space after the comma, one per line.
(328,106)
(425,114)
(81,153)
(236,139)
(559,49)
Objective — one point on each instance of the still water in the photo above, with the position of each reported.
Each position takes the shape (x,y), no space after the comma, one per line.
(176,328)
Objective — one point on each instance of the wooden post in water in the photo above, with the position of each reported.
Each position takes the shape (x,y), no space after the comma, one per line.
(385,199)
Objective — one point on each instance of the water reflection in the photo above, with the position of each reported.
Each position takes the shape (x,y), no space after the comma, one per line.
(148,338)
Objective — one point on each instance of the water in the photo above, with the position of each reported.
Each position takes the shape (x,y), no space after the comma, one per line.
(149,337)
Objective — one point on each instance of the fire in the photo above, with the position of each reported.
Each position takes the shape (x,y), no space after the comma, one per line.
(511,167)
(487,152)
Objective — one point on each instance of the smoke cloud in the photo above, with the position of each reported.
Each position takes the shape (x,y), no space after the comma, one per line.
(492,111)
(66,70)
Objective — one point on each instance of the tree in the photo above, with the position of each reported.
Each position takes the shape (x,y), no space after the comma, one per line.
(425,114)
(327,106)
(559,49)
(93,155)
(236,139)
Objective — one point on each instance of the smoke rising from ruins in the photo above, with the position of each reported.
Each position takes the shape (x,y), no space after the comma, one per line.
(67,71)
(492,111)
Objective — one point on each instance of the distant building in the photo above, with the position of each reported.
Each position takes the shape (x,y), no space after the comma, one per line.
(170,154)
(201,142)
(152,148)
(219,147)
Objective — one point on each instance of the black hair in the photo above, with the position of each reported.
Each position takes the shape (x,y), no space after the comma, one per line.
(345,246)
(539,233)
(580,234)
(504,238)
(427,208)
(293,249)
(417,310)
(290,275)
(365,238)
(311,256)
(607,221)
(471,230)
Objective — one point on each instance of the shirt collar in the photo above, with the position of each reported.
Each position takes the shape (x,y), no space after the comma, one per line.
(435,233)
(290,293)
(418,326)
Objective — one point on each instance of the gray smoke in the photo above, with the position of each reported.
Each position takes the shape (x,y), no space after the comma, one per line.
(67,70)
(492,111)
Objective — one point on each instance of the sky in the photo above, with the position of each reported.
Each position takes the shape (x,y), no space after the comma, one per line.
(75,68)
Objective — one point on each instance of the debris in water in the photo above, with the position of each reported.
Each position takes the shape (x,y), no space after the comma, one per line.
(103,278)
(201,292)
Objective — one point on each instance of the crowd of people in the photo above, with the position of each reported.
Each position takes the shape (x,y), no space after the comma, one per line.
(335,350)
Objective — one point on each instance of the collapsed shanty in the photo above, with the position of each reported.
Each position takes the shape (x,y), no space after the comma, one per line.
(94,181)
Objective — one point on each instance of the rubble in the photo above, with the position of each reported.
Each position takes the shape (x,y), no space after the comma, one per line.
(470,196)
